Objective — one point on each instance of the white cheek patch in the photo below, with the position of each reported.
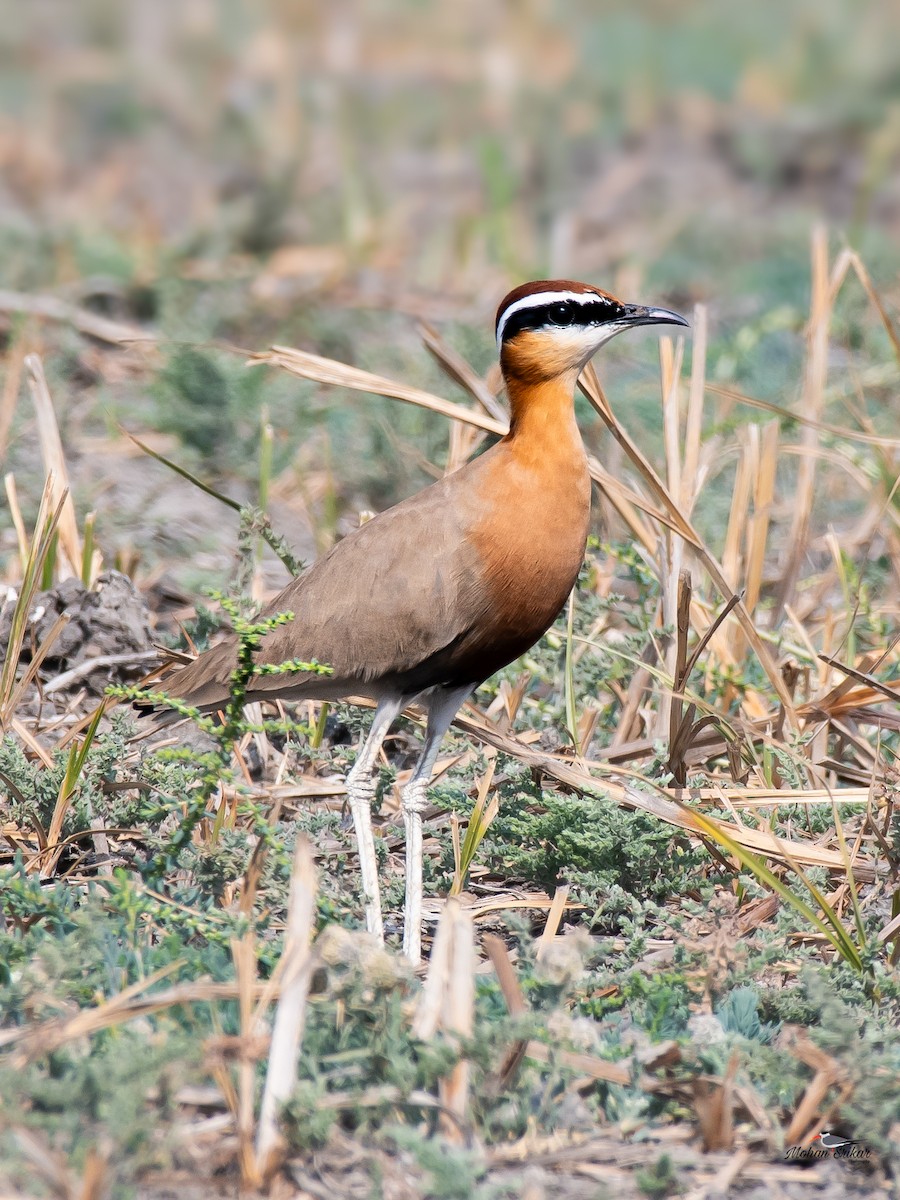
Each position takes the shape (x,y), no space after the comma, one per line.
(569,339)
(581,342)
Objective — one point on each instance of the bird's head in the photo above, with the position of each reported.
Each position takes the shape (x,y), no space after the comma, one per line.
(553,327)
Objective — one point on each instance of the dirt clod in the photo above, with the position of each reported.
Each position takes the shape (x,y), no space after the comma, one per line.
(109,619)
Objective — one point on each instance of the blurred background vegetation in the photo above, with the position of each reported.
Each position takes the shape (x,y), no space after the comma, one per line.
(228,172)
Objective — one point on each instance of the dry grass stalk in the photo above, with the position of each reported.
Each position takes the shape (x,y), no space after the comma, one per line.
(671,355)
(591,387)
(497,902)
(15,512)
(243,953)
(691,480)
(447,1003)
(427,1018)
(10,393)
(51,308)
(295,969)
(629,726)
(93,1178)
(460,372)
(827,1073)
(30,672)
(464,441)
(670,554)
(677,743)
(21,730)
(813,402)
(714,1106)
(45,527)
(748,530)
(457,1017)
(763,498)
(69,558)
(850,259)
(554,917)
(49,1035)
(585,1064)
(842,432)
(660,803)
(337,374)
(735,531)
(496,951)
(65,679)
(48,1164)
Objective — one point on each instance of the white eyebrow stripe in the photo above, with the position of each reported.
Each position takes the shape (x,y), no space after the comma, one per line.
(539,299)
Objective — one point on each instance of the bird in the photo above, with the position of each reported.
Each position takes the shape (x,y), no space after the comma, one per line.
(428,599)
(832,1141)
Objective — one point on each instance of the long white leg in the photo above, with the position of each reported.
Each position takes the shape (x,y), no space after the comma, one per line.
(443,705)
(361,793)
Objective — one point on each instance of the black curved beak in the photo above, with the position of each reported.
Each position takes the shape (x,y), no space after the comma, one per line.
(640,314)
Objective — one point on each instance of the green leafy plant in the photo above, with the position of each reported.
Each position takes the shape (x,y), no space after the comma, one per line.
(215,764)
(480,821)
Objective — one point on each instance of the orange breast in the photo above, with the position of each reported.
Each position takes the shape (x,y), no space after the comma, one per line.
(530,514)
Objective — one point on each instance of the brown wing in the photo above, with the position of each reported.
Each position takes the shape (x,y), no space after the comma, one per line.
(387,599)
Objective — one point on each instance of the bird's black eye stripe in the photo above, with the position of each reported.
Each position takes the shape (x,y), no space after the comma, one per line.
(562,313)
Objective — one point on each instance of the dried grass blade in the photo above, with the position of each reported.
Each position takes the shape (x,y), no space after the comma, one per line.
(9,481)
(554,916)
(788,414)
(51,308)
(678,730)
(863,276)
(11,384)
(690,482)
(337,374)
(861,677)
(461,372)
(457,1018)
(763,499)
(427,1018)
(851,878)
(591,387)
(182,471)
(243,953)
(49,1035)
(671,549)
(813,402)
(55,465)
(671,355)
(495,949)
(659,803)
(831,928)
(732,557)
(709,633)
(290,1015)
(44,532)
(569,677)
(37,658)
(27,737)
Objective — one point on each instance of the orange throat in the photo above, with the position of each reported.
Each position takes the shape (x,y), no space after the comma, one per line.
(534,499)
